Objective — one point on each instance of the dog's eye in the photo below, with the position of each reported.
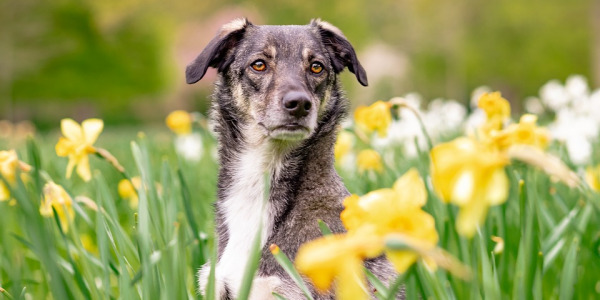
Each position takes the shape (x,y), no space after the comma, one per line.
(316,68)
(259,65)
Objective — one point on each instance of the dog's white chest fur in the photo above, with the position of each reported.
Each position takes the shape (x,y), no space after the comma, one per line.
(246,211)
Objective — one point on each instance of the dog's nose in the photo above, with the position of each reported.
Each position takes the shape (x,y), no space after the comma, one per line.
(297,104)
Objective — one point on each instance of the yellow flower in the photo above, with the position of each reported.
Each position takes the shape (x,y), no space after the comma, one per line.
(470,175)
(56,197)
(128,190)
(526,132)
(77,144)
(180,122)
(88,243)
(376,117)
(339,257)
(394,211)
(369,160)
(592,177)
(343,145)
(497,110)
(8,168)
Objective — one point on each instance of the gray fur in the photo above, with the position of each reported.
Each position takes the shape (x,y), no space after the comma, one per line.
(247,111)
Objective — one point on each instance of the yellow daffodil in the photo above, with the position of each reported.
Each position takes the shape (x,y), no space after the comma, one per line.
(77,144)
(88,243)
(180,122)
(376,117)
(394,211)
(592,177)
(8,168)
(9,164)
(339,257)
(369,160)
(128,190)
(526,132)
(343,145)
(56,197)
(499,247)
(497,110)
(470,175)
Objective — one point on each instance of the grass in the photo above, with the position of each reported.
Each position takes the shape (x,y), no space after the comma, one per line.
(111,251)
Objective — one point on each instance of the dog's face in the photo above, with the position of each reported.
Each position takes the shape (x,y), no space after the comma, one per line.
(280,77)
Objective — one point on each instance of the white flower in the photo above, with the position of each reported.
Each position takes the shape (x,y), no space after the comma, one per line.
(554,95)
(579,149)
(189,146)
(577,87)
(474,121)
(534,105)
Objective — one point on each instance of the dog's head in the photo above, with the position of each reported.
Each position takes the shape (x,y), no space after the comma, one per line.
(280,78)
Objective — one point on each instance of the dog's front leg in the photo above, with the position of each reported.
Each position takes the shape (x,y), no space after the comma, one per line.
(221,291)
(263,288)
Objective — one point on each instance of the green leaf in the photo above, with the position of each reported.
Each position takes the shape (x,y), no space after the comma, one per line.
(324,228)
(569,273)
(382,290)
(289,268)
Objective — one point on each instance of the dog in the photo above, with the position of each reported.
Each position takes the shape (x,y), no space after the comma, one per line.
(276,110)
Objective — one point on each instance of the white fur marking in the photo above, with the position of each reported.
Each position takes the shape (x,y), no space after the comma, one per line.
(245,212)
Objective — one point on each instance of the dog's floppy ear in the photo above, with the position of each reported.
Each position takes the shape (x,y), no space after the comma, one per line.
(340,50)
(216,53)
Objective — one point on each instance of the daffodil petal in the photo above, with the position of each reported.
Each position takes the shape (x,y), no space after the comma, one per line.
(464,188)
(71,165)
(92,129)
(63,147)
(71,129)
(497,190)
(4,193)
(470,216)
(411,186)
(351,284)
(83,168)
(401,260)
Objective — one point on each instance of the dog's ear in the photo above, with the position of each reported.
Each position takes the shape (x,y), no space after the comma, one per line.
(217,52)
(340,50)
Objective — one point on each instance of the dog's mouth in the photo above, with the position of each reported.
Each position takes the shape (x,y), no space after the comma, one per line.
(288,132)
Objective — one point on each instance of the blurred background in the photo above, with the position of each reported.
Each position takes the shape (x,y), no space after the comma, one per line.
(124,60)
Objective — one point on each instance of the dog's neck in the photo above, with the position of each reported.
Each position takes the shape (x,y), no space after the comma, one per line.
(247,162)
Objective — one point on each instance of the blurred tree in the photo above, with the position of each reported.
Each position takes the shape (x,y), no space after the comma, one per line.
(105,57)
(58,52)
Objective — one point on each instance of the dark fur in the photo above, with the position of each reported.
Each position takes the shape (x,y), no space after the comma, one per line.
(308,188)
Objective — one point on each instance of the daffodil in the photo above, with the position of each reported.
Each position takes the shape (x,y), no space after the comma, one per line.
(394,211)
(88,243)
(526,132)
(128,190)
(339,258)
(369,160)
(592,177)
(497,110)
(343,145)
(56,197)
(468,174)
(376,117)
(77,144)
(9,164)
(8,167)
(180,122)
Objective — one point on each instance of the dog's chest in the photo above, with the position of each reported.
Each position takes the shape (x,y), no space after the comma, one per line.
(246,210)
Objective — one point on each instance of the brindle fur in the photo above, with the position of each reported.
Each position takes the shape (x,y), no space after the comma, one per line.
(246,110)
